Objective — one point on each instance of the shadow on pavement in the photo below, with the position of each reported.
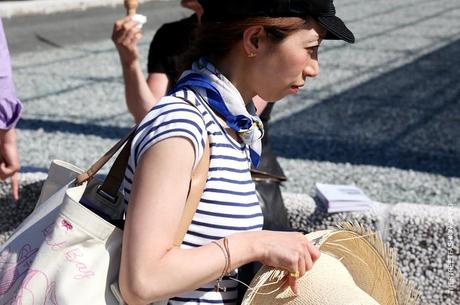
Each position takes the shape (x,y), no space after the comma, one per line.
(408,118)
(109,132)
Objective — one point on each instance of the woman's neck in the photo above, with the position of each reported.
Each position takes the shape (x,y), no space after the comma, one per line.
(234,72)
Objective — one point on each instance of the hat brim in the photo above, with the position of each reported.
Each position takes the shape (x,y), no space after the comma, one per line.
(371,264)
(336,29)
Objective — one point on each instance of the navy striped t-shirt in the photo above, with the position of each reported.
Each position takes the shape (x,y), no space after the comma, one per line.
(228,204)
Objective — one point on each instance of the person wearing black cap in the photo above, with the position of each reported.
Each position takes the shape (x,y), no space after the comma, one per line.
(239,48)
(323,11)
(164,67)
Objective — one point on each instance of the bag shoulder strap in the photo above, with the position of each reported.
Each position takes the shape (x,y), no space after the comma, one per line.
(111,184)
(96,166)
(197,184)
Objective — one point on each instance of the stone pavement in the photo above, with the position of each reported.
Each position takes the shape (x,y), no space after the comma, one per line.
(384,114)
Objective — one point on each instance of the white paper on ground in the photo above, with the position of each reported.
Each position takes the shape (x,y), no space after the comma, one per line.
(339,198)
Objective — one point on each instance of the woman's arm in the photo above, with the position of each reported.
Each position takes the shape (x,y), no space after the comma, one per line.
(158,83)
(151,267)
(139,98)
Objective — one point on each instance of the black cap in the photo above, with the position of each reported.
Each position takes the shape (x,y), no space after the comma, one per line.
(322,10)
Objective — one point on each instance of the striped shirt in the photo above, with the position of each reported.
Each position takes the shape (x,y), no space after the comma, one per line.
(229,202)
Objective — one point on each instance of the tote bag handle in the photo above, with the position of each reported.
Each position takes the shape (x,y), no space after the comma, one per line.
(93,169)
(112,182)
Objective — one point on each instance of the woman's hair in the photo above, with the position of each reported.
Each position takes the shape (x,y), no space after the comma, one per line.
(216,39)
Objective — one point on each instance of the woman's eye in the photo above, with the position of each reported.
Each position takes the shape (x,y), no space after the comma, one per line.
(312,50)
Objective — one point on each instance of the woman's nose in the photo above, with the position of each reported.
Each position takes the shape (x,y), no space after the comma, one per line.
(311,69)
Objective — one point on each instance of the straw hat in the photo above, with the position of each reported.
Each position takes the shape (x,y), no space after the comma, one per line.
(355,268)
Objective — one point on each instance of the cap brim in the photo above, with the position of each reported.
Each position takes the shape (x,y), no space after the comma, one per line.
(336,29)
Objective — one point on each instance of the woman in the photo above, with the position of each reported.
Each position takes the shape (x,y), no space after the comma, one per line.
(245,48)
(167,48)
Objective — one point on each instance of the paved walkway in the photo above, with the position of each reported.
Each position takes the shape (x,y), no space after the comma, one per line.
(384,114)
(32,7)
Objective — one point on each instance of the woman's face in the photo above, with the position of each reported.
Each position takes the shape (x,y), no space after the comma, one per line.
(282,68)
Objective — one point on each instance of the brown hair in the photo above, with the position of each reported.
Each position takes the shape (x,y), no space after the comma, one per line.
(215,39)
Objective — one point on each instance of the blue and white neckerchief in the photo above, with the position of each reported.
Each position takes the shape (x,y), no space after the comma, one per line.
(226,101)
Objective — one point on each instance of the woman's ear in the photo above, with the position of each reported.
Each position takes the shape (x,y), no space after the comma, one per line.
(252,39)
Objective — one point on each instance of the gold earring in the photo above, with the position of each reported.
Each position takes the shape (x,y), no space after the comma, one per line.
(252,54)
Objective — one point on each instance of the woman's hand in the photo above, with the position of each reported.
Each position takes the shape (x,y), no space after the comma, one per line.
(9,160)
(290,251)
(125,35)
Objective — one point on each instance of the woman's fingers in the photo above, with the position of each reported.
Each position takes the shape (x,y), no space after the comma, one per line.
(134,36)
(126,35)
(302,265)
(290,282)
(305,263)
(314,252)
(118,27)
(15,187)
(291,252)
(293,284)
(125,30)
(308,261)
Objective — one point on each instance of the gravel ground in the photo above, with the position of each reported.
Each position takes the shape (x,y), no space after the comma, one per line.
(384,114)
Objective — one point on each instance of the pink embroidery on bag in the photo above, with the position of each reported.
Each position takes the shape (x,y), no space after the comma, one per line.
(67,225)
(72,257)
(48,234)
(27,293)
(10,274)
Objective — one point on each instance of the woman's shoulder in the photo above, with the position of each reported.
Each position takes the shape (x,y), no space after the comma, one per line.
(173,105)
(172,111)
(171,117)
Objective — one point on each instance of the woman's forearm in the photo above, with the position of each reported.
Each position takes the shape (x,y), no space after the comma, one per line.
(181,270)
(139,98)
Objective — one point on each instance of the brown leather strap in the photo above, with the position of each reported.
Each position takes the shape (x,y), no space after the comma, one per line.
(197,184)
(258,175)
(114,179)
(112,182)
(93,169)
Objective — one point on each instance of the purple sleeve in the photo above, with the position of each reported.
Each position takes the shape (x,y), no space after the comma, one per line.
(10,105)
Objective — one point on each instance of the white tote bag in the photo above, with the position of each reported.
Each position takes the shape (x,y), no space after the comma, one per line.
(65,253)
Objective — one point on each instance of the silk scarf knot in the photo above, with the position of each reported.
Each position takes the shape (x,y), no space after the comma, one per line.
(227,102)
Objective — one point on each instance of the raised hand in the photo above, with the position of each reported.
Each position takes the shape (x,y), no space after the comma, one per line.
(125,35)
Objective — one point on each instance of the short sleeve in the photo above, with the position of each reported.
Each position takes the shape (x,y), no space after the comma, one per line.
(10,105)
(10,109)
(156,57)
(168,46)
(171,117)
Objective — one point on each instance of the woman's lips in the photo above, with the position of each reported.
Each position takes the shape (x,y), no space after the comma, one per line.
(295,89)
